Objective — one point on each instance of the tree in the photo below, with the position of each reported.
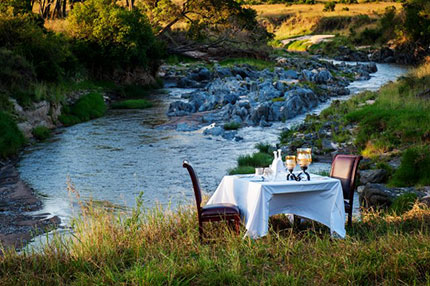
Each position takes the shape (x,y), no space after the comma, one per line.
(417,21)
(109,37)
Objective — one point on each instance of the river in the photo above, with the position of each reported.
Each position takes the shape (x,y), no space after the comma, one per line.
(114,158)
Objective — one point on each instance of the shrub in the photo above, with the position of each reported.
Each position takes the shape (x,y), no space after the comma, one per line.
(88,107)
(414,168)
(109,37)
(11,138)
(132,104)
(232,126)
(255,160)
(49,53)
(16,72)
(329,6)
(403,203)
(242,170)
(41,133)
(264,148)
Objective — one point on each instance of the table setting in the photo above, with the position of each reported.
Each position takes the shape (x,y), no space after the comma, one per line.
(280,189)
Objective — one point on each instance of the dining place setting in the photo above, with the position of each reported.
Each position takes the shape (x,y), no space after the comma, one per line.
(284,187)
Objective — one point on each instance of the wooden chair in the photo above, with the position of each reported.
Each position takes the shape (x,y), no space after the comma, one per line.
(344,168)
(216,212)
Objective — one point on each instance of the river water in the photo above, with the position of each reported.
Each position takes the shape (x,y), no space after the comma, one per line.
(114,158)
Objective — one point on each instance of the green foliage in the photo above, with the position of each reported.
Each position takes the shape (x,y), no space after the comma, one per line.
(16,72)
(255,160)
(109,37)
(132,104)
(11,138)
(299,46)
(417,20)
(242,170)
(48,53)
(403,203)
(329,6)
(385,30)
(41,133)
(88,107)
(256,63)
(348,1)
(414,168)
(264,148)
(231,126)
(15,7)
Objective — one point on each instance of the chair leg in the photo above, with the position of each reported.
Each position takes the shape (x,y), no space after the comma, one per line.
(236,224)
(201,230)
(349,219)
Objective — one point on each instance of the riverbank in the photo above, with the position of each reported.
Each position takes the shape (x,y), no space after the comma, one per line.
(161,246)
(17,202)
(388,127)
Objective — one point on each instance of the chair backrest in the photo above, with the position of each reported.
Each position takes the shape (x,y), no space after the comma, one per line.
(344,168)
(196,184)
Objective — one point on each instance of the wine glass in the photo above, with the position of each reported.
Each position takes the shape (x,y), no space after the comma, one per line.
(259,172)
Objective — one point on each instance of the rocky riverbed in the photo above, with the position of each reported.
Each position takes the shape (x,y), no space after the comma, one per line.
(244,96)
(18,202)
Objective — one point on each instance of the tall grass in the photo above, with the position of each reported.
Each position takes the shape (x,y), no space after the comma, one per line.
(161,247)
(87,107)
(11,138)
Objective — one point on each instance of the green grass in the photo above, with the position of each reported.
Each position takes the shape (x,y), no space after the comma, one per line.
(299,46)
(132,104)
(162,247)
(232,126)
(258,64)
(414,168)
(41,133)
(255,160)
(11,138)
(242,170)
(88,107)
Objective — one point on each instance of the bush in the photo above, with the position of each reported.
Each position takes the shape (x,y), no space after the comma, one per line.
(49,53)
(16,72)
(403,203)
(132,104)
(11,138)
(264,148)
(255,160)
(417,21)
(232,126)
(109,37)
(414,168)
(41,133)
(86,108)
(242,170)
(329,7)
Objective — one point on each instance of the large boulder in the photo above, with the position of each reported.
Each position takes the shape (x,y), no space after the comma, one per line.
(379,195)
(180,108)
(323,77)
(373,176)
(214,131)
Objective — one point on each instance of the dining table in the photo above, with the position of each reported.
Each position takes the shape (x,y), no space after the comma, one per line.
(319,199)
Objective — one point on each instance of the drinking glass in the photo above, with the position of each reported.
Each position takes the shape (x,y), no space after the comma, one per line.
(259,172)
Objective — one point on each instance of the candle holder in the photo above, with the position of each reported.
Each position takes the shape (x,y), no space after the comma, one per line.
(290,164)
(304,158)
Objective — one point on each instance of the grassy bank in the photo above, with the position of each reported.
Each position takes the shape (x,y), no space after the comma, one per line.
(287,21)
(383,125)
(161,247)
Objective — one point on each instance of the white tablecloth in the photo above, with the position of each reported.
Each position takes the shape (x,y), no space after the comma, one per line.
(320,199)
